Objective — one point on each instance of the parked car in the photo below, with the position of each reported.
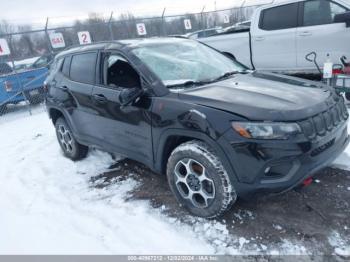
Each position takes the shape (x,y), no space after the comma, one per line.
(17,86)
(217,130)
(204,33)
(238,27)
(43,61)
(282,34)
(19,65)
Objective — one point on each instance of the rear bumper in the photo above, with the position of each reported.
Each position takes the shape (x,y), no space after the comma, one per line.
(275,167)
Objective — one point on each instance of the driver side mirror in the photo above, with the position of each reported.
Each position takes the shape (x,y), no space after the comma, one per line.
(129,95)
(343,18)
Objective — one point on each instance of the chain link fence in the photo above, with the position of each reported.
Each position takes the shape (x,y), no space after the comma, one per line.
(25,55)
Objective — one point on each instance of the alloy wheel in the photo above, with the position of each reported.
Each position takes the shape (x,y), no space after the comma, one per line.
(193,183)
(65,138)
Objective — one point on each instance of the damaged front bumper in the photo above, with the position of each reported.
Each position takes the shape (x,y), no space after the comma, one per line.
(278,166)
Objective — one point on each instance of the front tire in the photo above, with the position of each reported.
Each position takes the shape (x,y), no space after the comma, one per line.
(199,180)
(69,145)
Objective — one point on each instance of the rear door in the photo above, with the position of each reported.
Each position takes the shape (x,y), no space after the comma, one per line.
(122,129)
(274,38)
(75,89)
(317,33)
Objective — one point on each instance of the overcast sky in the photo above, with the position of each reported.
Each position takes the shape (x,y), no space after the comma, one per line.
(36,11)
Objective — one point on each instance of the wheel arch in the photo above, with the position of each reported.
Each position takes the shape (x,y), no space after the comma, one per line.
(172,138)
(55,113)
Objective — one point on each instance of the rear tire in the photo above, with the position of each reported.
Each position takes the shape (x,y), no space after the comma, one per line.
(199,180)
(69,145)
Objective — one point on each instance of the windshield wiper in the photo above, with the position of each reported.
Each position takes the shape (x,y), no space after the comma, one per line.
(188,84)
(192,83)
(226,75)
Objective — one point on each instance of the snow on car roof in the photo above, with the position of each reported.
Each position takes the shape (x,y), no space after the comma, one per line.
(120,43)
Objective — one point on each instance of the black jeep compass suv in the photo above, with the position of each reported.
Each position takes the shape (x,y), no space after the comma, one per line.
(218,130)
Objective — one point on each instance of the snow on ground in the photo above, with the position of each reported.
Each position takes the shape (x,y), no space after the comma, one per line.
(340,246)
(50,206)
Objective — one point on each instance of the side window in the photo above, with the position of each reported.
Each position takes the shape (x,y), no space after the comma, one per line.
(280,17)
(82,68)
(66,66)
(117,72)
(42,62)
(320,12)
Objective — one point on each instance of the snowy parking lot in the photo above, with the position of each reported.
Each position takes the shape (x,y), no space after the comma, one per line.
(105,205)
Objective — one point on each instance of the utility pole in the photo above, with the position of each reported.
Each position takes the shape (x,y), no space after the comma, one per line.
(163,22)
(202,17)
(47,36)
(110,26)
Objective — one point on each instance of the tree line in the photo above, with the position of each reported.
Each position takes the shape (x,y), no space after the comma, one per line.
(30,44)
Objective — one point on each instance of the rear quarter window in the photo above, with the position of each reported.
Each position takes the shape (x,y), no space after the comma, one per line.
(66,66)
(56,65)
(280,17)
(83,68)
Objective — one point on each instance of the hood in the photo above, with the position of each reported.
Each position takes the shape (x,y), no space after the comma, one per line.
(264,97)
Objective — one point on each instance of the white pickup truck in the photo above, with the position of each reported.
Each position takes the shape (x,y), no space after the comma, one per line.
(282,34)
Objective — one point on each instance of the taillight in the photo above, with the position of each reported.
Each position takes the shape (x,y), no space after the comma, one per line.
(8,86)
(338,71)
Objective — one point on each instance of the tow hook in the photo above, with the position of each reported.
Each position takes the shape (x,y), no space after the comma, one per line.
(307,182)
(303,184)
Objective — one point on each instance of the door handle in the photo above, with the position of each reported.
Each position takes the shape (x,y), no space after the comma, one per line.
(305,33)
(259,38)
(99,98)
(63,88)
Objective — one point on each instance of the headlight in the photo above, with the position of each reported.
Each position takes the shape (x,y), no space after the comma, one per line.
(266,130)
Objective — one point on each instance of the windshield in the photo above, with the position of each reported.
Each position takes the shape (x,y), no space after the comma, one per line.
(184,61)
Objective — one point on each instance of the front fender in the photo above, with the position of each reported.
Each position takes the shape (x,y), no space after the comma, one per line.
(195,135)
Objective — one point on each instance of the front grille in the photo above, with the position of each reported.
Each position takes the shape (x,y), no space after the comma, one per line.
(319,125)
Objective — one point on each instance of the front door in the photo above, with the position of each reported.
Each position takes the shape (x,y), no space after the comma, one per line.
(122,129)
(319,34)
(273,38)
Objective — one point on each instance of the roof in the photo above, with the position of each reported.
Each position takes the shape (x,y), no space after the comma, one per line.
(110,45)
